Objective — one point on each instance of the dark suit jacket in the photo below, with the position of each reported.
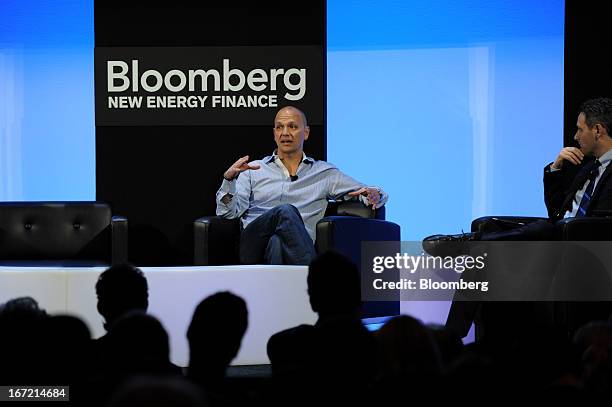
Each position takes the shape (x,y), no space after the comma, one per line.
(560,187)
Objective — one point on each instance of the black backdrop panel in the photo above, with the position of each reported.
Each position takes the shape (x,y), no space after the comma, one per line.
(588,61)
(164,177)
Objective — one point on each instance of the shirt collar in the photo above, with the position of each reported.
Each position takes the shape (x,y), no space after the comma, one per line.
(274,156)
(606,158)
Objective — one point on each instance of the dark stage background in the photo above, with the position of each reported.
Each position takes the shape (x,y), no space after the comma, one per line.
(588,63)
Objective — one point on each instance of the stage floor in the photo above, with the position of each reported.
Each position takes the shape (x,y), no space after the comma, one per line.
(276,298)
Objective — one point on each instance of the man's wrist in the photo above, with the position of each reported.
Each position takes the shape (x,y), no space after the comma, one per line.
(227,187)
(377,189)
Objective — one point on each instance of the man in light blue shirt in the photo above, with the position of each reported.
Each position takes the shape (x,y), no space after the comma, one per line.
(281,198)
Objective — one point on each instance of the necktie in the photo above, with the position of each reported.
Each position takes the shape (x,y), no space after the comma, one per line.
(586,198)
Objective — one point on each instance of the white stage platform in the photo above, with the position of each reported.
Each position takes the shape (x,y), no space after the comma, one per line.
(276,298)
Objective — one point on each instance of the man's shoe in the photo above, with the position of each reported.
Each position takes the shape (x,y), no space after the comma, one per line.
(449,245)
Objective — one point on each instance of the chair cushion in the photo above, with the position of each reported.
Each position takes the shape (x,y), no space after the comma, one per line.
(54,230)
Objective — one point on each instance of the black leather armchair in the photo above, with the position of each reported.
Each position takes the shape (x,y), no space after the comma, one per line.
(585,229)
(61,234)
(568,315)
(345,225)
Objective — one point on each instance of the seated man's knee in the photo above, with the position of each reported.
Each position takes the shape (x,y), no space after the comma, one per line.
(287,210)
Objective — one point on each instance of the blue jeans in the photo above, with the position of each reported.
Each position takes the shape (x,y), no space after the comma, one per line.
(277,237)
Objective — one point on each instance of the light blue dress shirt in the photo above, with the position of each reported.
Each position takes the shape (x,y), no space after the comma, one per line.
(257,191)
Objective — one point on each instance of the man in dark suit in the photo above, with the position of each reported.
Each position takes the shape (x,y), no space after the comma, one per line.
(577,184)
(568,178)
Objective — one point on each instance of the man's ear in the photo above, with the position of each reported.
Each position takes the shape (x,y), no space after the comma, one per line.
(601,130)
(306,132)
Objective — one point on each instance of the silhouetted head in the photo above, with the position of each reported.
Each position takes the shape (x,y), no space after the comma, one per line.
(138,343)
(68,349)
(448,342)
(333,285)
(19,316)
(593,342)
(595,333)
(345,350)
(408,349)
(215,333)
(26,307)
(121,289)
(23,332)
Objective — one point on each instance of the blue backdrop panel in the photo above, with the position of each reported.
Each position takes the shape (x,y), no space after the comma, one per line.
(46,100)
(454,108)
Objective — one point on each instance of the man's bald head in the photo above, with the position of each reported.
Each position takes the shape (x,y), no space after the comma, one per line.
(290,131)
(292,109)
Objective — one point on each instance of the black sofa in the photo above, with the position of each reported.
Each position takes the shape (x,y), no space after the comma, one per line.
(61,234)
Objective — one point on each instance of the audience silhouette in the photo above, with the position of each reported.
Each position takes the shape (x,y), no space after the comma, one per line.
(67,355)
(214,335)
(22,337)
(120,289)
(138,344)
(336,354)
(408,351)
(334,291)
(336,360)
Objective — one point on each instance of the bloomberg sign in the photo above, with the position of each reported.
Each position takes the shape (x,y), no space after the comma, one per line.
(189,86)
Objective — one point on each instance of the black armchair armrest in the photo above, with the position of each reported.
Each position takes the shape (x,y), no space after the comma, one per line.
(591,228)
(478,224)
(119,236)
(216,241)
(345,234)
(354,208)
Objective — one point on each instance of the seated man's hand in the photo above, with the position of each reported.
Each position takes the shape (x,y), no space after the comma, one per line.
(372,194)
(571,154)
(239,166)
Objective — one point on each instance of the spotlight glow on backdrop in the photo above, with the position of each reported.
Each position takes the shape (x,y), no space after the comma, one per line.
(453,107)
